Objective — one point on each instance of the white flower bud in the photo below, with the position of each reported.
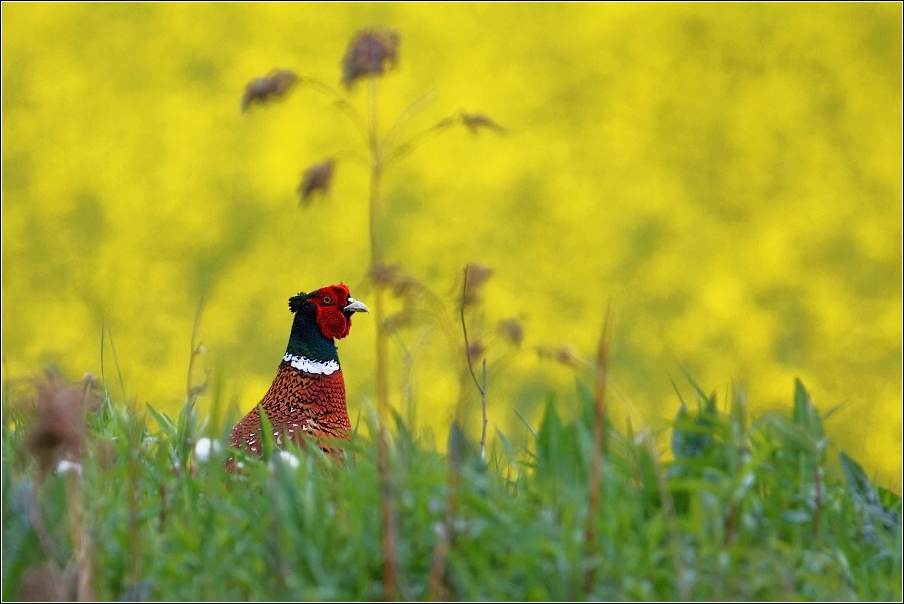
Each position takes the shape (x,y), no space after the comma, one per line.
(205,447)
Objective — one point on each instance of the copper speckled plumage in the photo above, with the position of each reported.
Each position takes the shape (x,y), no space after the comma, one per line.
(308,393)
(297,402)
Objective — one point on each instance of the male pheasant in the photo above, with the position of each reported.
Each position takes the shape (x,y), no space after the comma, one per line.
(308,392)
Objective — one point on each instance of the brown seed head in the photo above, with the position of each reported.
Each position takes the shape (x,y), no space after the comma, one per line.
(58,427)
(512,330)
(400,319)
(385,275)
(91,390)
(476,350)
(316,179)
(566,355)
(475,121)
(403,287)
(368,53)
(476,276)
(406,287)
(275,84)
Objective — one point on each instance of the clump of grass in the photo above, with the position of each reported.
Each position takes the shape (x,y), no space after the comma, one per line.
(743,508)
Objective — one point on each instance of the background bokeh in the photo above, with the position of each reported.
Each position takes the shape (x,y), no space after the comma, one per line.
(728,175)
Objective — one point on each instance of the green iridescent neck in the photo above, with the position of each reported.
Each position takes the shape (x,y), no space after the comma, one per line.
(306,338)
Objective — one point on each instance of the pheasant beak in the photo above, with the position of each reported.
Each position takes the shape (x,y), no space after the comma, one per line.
(355,306)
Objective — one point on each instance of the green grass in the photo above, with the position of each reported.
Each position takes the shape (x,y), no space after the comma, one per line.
(744,508)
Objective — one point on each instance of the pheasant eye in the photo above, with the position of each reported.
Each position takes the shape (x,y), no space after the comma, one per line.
(327,300)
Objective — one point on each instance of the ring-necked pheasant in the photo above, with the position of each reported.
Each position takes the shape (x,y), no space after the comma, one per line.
(308,392)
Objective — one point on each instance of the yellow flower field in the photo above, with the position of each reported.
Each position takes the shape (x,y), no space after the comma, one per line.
(729,176)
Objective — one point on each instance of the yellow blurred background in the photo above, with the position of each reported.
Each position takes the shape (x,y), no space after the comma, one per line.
(728,175)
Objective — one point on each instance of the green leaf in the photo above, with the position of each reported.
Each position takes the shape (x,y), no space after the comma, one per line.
(677,392)
(794,436)
(889,499)
(526,423)
(691,436)
(588,403)
(857,480)
(549,438)
(874,513)
(506,447)
(268,441)
(805,413)
(165,424)
(457,442)
(739,417)
(698,391)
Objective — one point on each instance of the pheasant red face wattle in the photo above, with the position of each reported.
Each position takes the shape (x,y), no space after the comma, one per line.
(334,310)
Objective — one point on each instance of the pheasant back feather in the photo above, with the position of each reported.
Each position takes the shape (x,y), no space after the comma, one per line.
(297,403)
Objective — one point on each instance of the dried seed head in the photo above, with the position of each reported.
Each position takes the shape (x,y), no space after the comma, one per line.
(368,53)
(316,179)
(92,392)
(566,355)
(400,319)
(275,84)
(475,121)
(385,275)
(403,287)
(476,350)
(59,423)
(476,275)
(406,287)
(512,330)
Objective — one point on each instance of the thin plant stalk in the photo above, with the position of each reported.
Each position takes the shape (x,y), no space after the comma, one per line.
(122,384)
(191,391)
(407,391)
(596,459)
(387,495)
(482,389)
(81,540)
(668,511)
(387,520)
(133,484)
(341,102)
(483,409)
(437,587)
(376,248)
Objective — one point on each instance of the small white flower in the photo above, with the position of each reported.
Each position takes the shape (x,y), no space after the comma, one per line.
(205,447)
(284,458)
(69,466)
(439,529)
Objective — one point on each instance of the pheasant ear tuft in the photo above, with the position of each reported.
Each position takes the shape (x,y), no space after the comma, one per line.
(297,301)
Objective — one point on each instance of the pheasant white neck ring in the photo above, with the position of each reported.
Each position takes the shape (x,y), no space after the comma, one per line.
(311,366)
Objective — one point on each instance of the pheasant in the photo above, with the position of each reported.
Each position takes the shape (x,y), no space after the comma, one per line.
(308,392)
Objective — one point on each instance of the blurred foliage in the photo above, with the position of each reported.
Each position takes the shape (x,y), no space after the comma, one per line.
(729,174)
(753,511)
